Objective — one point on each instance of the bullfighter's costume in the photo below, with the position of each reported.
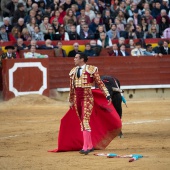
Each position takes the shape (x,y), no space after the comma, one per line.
(81,94)
(91,113)
(7,55)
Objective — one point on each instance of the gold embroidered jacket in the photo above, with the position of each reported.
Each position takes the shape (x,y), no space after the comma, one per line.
(89,76)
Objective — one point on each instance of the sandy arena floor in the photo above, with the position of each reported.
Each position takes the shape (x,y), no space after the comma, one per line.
(29,127)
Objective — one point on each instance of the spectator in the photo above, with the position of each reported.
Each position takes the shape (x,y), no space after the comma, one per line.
(114,51)
(56,25)
(80,4)
(114,5)
(35,8)
(152,33)
(136,17)
(157,49)
(59,51)
(138,50)
(28,6)
(3,34)
(62,14)
(33,43)
(51,34)
(94,25)
(104,41)
(15,34)
(163,25)
(73,34)
(69,16)
(139,33)
(107,7)
(42,7)
(133,7)
(156,10)
(121,41)
(148,16)
(100,29)
(165,50)
(144,24)
(121,7)
(165,5)
(89,51)
(146,7)
(67,4)
(45,25)
(113,33)
(123,51)
(54,5)
(7,25)
(94,6)
(162,14)
(101,6)
(108,20)
(20,24)
(129,32)
(166,33)
(27,18)
(32,53)
(76,50)
(55,16)
(31,25)
(37,34)
(74,8)
(19,13)
(86,33)
(79,27)
(39,18)
(120,26)
(67,26)
(62,34)
(131,44)
(8,7)
(83,16)
(47,11)
(48,45)
(122,17)
(89,12)
(25,35)
(149,51)
(20,45)
(96,48)
(154,23)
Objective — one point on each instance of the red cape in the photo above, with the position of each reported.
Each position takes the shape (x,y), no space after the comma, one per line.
(105,125)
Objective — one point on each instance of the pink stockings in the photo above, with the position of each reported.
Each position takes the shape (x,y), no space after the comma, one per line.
(87,140)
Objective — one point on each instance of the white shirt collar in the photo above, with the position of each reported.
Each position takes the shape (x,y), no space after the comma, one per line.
(83,66)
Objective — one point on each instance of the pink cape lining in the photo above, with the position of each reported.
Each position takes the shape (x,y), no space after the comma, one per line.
(105,125)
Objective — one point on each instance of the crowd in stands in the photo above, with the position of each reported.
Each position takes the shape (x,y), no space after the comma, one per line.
(99,21)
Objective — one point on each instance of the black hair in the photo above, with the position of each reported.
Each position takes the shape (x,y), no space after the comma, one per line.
(84,56)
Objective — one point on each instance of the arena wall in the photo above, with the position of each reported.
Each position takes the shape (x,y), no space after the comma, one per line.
(140,77)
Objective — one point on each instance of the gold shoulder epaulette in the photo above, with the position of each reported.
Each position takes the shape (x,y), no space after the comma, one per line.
(72,71)
(91,69)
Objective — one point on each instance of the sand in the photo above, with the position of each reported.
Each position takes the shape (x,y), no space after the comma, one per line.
(29,128)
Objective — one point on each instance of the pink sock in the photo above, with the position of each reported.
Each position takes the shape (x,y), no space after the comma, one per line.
(90,145)
(85,140)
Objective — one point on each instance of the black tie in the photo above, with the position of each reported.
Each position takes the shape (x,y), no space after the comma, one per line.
(78,72)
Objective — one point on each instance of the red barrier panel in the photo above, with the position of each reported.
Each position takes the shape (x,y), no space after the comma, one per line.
(25,76)
(129,70)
